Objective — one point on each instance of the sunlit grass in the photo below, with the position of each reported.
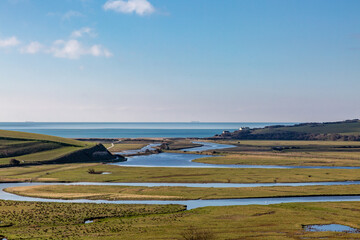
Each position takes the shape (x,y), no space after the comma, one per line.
(176,193)
(281,221)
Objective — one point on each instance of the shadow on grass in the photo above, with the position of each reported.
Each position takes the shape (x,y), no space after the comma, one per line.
(194,233)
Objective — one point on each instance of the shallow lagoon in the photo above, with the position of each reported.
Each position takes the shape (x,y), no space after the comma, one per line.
(331,228)
(185,160)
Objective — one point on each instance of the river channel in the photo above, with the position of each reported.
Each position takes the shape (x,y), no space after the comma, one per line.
(185,160)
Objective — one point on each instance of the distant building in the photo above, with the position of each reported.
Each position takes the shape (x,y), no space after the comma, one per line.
(225,132)
(244,128)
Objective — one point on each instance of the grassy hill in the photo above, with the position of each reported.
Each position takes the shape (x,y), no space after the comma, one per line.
(30,148)
(344,128)
(14,135)
(348,130)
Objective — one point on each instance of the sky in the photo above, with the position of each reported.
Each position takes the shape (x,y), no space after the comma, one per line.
(179,60)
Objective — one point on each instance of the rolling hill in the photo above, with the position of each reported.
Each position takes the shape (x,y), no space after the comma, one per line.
(348,130)
(30,148)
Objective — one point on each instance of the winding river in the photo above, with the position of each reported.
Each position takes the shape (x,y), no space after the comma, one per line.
(149,147)
(191,204)
(185,160)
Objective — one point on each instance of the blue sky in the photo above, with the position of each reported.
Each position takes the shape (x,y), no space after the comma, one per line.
(179,60)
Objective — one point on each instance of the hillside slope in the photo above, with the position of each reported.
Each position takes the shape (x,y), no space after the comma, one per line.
(15,135)
(29,149)
(348,130)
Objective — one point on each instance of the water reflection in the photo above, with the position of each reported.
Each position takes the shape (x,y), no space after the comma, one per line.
(149,147)
(207,146)
(330,227)
(191,204)
(186,160)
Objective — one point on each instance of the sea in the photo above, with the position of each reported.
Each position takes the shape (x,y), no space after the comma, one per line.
(132,129)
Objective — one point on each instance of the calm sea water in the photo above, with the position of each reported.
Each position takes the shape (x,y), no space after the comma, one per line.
(130,129)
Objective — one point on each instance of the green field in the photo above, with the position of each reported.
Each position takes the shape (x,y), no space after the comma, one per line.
(118,147)
(14,148)
(36,220)
(176,193)
(23,220)
(348,130)
(43,155)
(271,143)
(299,153)
(14,135)
(286,159)
(30,148)
(129,144)
(79,173)
(38,172)
(350,127)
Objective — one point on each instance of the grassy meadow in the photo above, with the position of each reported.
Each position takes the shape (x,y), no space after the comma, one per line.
(118,147)
(24,220)
(35,220)
(286,159)
(176,193)
(41,156)
(287,153)
(345,127)
(15,135)
(348,130)
(79,173)
(30,148)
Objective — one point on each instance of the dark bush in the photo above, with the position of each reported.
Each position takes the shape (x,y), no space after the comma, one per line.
(14,162)
(164,146)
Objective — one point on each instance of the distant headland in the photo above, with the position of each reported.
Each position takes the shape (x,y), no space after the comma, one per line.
(348,130)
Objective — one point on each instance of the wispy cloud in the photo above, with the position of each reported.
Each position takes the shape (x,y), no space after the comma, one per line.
(70,48)
(86,30)
(73,49)
(9,42)
(32,48)
(67,16)
(140,7)
(71,14)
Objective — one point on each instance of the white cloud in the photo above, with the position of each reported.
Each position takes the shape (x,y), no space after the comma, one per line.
(73,49)
(70,48)
(9,42)
(32,48)
(86,30)
(140,7)
(98,50)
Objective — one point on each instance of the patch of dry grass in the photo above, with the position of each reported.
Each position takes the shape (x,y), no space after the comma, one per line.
(176,193)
